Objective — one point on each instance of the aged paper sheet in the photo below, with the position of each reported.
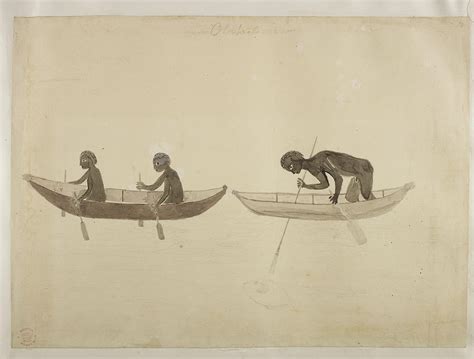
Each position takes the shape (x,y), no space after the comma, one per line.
(225,98)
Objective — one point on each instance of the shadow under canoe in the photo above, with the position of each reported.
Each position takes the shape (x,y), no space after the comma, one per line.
(125,204)
(316,206)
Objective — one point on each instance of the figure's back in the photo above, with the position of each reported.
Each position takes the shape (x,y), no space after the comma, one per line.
(347,165)
(98,190)
(176,188)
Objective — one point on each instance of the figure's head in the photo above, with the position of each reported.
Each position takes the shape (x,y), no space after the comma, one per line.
(87,159)
(161,161)
(292,161)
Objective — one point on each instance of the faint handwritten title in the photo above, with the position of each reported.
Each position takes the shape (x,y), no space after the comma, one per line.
(233,29)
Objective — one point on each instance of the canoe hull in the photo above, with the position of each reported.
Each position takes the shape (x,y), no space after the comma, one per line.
(129,211)
(324,212)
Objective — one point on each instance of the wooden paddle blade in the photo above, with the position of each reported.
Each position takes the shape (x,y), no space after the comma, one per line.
(140,223)
(63,214)
(356,232)
(85,235)
(159,230)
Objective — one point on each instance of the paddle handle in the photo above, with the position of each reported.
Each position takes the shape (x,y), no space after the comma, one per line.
(140,221)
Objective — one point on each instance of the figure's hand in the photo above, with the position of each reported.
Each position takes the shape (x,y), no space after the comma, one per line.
(300,183)
(333,199)
(140,185)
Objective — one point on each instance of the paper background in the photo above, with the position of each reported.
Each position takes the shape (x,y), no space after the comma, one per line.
(226,107)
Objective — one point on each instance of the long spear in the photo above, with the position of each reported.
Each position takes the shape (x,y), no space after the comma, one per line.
(277,252)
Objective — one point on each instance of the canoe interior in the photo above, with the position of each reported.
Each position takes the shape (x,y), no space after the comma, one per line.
(122,195)
(307,198)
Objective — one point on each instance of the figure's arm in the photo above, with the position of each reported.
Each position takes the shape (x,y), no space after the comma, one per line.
(165,195)
(82,179)
(152,187)
(323,182)
(157,184)
(86,194)
(338,182)
(331,169)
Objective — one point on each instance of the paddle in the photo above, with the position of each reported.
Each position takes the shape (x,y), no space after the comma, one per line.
(277,252)
(63,213)
(159,227)
(352,225)
(140,221)
(85,235)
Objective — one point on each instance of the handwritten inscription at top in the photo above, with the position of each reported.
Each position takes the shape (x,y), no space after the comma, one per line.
(233,29)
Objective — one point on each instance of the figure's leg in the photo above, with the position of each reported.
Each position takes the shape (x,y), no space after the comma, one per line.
(353,190)
(366,181)
(174,199)
(171,200)
(81,192)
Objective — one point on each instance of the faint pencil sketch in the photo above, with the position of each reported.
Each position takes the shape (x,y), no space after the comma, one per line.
(94,201)
(268,293)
